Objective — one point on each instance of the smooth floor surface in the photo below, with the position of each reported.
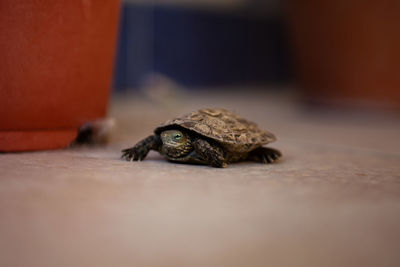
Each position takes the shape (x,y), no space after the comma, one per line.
(333,200)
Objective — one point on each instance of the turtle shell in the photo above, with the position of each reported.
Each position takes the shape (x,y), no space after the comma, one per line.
(224,126)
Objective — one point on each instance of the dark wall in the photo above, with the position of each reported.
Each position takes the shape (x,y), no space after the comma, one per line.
(199,47)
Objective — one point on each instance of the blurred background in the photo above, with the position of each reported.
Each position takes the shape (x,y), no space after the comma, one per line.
(334,53)
(203,43)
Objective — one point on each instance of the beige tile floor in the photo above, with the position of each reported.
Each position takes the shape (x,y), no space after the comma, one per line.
(334,199)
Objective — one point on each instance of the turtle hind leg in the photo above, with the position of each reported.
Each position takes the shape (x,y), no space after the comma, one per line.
(141,149)
(210,154)
(264,155)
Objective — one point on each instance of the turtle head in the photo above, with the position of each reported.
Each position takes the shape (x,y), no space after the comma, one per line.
(176,143)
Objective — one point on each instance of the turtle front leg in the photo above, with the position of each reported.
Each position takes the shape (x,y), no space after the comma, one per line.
(141,149)
(211,154)
(264,155)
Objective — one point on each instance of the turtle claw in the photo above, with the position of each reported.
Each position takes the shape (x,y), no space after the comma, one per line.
(265,155)
(141,149)
(264,159)
(136,153)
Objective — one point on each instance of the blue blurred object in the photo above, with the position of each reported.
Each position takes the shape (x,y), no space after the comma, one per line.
(198,47)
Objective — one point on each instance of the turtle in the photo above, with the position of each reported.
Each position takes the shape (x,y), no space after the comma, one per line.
(211,136)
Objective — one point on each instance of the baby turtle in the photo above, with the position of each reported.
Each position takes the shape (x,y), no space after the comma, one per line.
(214,137)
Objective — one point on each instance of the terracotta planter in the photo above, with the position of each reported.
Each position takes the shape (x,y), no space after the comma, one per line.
(347,52)
(55,71)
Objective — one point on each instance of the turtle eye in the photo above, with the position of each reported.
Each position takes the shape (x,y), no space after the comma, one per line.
(177,137)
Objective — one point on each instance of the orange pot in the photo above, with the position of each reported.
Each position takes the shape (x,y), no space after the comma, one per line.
(348,52)
(56,61)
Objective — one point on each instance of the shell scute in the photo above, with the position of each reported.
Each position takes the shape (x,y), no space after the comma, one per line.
(223,126)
